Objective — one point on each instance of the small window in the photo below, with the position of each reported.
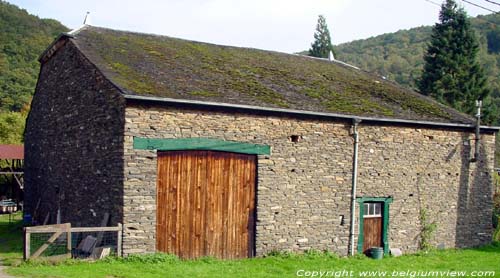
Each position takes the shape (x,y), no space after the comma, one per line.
(372,210)
(295,138)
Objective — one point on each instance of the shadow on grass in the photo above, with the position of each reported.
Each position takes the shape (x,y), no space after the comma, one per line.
(11,241)
(494,247)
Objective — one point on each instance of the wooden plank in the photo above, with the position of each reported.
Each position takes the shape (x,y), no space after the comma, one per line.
(95,229)
(46,220)
(68,240)
(46,228)
(204,202)
(11,173)
(251,212)
(372,230)
(104,223)
(209,144)
(27,244)
(119,240)
(44,246)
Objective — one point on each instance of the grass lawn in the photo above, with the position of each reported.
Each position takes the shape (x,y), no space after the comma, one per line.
(11,242)
(283,265)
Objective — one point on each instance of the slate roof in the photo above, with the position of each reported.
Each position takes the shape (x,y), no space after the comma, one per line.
(165,67)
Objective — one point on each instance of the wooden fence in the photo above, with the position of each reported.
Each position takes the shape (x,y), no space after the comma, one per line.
(64,233)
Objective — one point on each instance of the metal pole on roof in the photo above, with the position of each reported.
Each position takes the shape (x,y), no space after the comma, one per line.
(86,21)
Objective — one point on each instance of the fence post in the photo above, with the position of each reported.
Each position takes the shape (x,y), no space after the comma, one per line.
(68,237)
(27,243)
(119,241)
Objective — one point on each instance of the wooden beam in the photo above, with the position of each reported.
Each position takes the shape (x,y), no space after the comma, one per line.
(95,229)
(65,228)
(104,223)
(206,144)
(46,228)
(68,240)
(119,241)
(27,244)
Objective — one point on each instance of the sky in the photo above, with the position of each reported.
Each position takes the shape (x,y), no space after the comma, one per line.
(279,25)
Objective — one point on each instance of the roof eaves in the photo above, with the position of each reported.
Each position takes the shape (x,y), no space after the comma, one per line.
(53,47)
(308,113)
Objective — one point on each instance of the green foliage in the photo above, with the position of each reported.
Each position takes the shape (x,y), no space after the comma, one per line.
(322,44)
(496,233)
(451,73)
(427,230)
(398,57)
(284,254)
(493,37)
(23,37)
(11,127)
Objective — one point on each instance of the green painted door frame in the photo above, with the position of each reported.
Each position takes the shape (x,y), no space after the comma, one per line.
(205,144)
(386,201)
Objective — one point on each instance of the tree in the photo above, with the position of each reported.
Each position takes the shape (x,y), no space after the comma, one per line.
(322,44)
(11,127)
(493,38)
(451,72)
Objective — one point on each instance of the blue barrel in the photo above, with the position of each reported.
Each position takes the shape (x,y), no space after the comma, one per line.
(27,219)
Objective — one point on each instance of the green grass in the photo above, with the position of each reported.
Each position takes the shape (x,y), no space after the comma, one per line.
(11,243)
(283,265)
(486,258)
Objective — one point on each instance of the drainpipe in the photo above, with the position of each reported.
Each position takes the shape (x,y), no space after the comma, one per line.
(355,123)
(479,103)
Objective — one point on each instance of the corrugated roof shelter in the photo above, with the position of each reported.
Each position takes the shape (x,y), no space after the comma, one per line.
(11,152)
(209,150)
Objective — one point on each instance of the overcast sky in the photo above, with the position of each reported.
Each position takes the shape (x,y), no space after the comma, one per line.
(281,25)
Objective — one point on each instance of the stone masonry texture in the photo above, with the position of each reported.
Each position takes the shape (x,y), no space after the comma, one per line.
(74,143)
(79,158)
(304,187)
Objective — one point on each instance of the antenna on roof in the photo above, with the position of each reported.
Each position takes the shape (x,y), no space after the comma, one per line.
(331,57)
(86,21)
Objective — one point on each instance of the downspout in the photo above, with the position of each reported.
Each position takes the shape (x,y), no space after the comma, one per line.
(478,126)
(355,123)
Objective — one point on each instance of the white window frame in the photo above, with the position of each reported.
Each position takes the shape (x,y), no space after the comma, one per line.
(370,210)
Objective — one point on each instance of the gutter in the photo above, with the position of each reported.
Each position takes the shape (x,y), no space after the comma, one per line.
(478,131)
(355,136)
(295,112)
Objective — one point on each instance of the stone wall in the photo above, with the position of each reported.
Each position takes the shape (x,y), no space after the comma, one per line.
(304,187)
(74,143)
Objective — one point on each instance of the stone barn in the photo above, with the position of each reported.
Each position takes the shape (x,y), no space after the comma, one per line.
(201,149)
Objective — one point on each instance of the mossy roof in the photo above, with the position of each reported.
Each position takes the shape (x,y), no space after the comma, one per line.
(165,67)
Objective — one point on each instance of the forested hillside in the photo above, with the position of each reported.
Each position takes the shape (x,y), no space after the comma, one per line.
(399,56)
(23,37)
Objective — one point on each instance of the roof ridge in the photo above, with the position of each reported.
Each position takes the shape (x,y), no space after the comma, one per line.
(79,29)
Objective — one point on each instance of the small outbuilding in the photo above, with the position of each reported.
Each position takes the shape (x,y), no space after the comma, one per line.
(209,150)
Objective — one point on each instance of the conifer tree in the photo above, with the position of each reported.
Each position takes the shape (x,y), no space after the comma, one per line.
(322,44)
(451,72)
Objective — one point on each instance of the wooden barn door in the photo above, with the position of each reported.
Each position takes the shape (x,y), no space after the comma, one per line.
(206,204)
(372,226)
